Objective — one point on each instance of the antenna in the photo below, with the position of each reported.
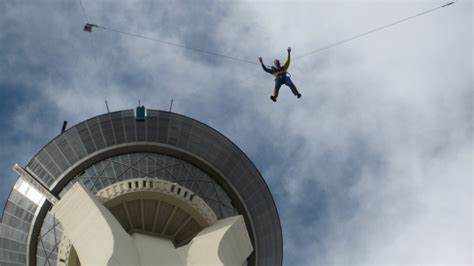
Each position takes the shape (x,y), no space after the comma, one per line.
(64,127)
(107,106)
(171,105)
(138,102)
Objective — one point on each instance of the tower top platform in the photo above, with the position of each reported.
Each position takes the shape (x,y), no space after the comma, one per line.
(90,142)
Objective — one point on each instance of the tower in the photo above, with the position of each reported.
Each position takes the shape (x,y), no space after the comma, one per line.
(164,188)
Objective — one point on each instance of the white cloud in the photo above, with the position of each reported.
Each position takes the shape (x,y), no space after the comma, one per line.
(371,166)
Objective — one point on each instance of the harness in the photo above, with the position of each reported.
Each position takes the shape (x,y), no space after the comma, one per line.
(279,72)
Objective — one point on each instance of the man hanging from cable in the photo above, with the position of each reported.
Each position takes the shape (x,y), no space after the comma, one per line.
(281,77)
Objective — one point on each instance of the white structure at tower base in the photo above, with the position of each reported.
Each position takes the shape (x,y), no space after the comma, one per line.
(99,239)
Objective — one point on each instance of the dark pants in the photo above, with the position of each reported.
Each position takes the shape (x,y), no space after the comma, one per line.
(284,80)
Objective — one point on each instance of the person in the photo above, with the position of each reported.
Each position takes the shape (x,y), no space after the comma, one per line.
(280,74)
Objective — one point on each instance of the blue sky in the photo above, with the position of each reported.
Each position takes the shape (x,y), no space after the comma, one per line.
(373,165)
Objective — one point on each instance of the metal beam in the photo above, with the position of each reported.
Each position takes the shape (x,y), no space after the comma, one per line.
(129,218)
(36,184)
(182,226)
(169,220)
(157,210)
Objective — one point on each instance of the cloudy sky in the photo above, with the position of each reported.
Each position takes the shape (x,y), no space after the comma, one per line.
(373,165)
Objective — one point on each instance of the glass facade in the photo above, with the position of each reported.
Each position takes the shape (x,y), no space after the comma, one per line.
(129,166)
(15,227)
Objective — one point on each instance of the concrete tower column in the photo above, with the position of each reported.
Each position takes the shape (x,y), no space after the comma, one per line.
(95,233)
(99,239)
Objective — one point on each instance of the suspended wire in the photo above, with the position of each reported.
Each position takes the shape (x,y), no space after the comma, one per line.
(97,63)
(84,12)
(94,46)
(370,31)
(252,62)
(179,45)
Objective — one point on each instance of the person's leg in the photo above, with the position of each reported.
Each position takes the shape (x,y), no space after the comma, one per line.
(292,86)
(276,89)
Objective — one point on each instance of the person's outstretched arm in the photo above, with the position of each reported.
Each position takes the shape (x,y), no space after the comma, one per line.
(287,63)
(266,69)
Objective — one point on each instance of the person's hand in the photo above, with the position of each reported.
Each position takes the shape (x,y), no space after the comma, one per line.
(289,49)
(260,59)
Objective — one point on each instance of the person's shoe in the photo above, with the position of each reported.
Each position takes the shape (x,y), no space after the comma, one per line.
(298,95)
(273,98)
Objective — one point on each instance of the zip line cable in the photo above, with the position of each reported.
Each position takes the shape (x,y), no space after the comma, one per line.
(93,47)
(164,42)
(84,12)
(97,63)
(371,31)
(242,60)
(178,45)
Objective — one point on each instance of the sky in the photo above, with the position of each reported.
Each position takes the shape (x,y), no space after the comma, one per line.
(372,166)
